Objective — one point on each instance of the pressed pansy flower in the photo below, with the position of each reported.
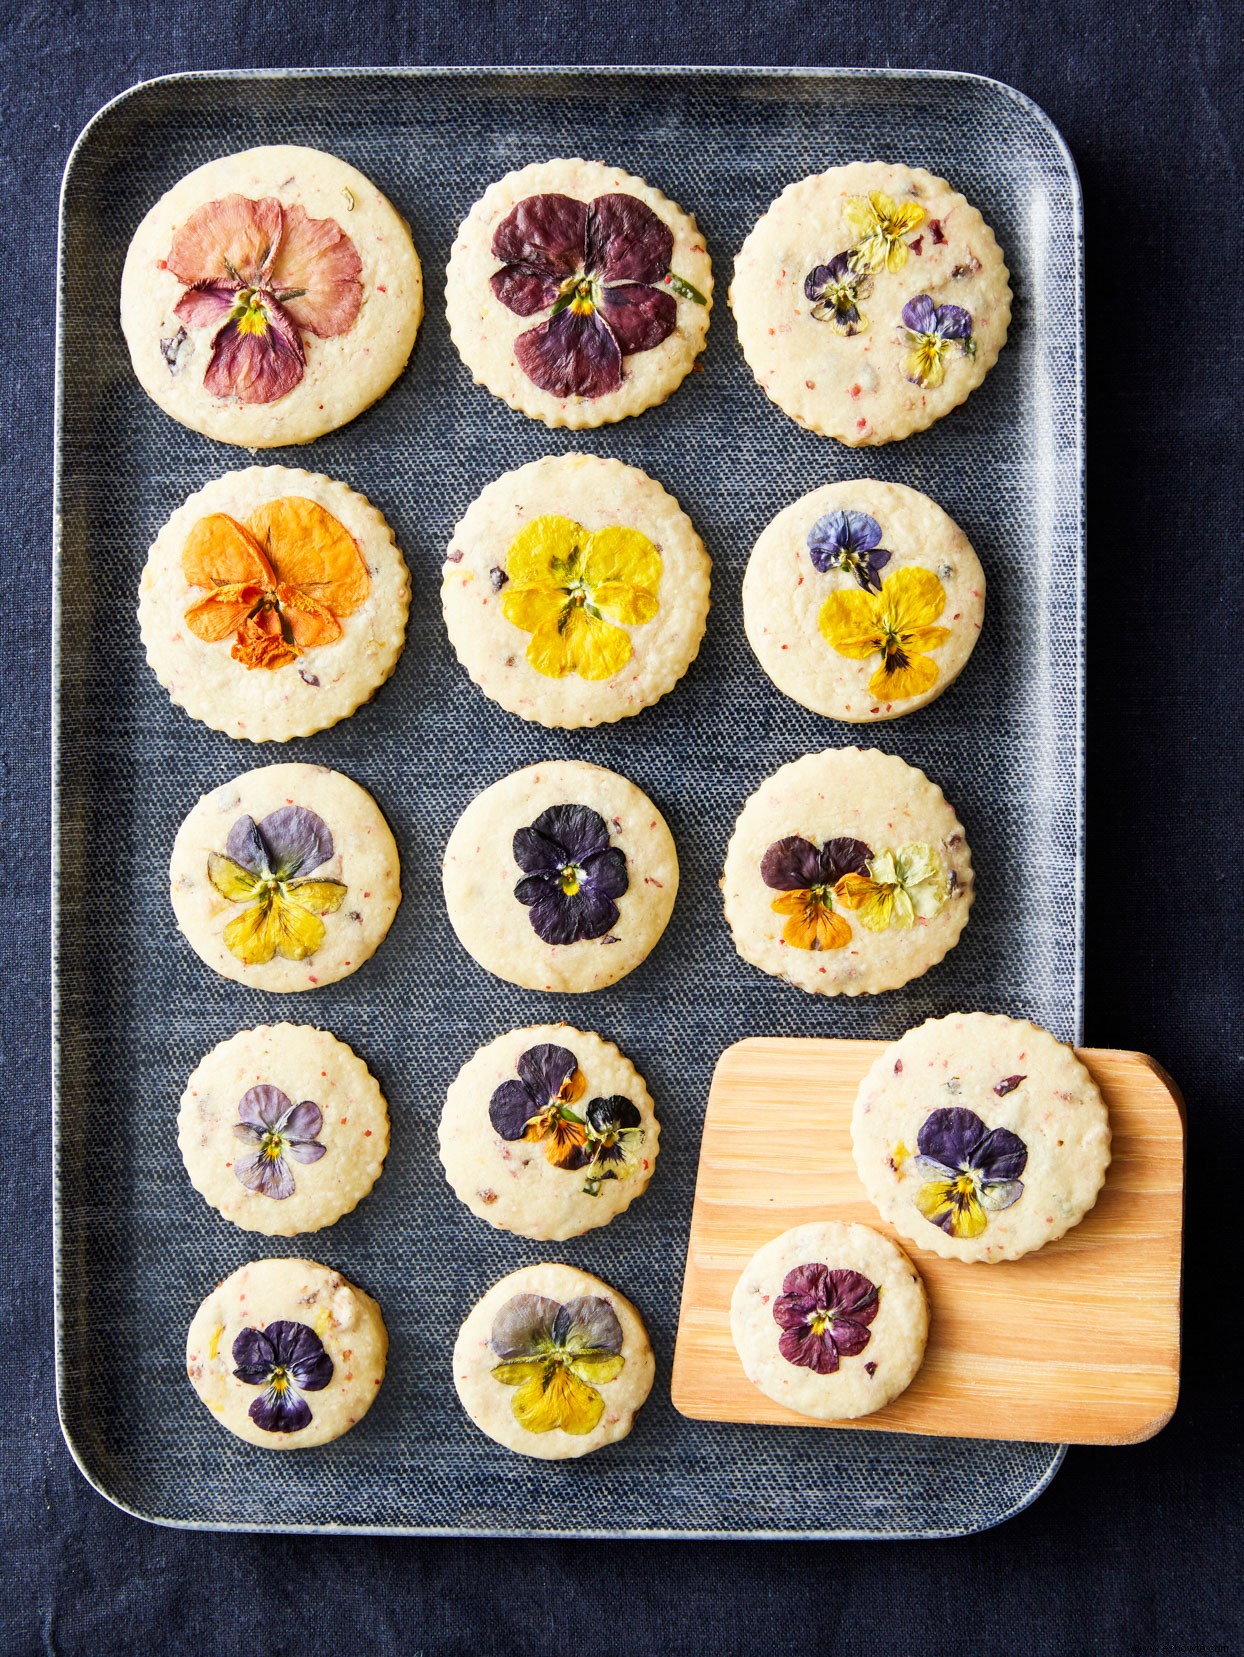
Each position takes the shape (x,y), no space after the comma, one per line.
(267,274)
(601,270)
(279,583)
(285,1359)
(896,888)
(931,329)
(277,1129)
(563,581)
(807,879)
(824,1316)
(897,623)
(614,1134)
(970,1170)
(849,541)
(571,874)
(836,290)
(557,1356)
(537,1105)
(881,223)
(264,867)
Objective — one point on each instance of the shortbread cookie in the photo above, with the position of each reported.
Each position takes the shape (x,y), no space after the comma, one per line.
(553,1363)
(870,300)
(285,878)
(561,876)
(287,1353)
(273,603)
(980,1137)
(283,1129)
(270,296)
(548,1131)
(575,591)
(847,873)
(830,1320)
(863,600)
(577,293)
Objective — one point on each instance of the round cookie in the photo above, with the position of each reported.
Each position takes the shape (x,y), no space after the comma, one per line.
(548,1132)
(863,600)
(310,1348)
(575,591)
(270,296)
(870,300)
(830,1320)
(283,1129)
(847,873)
(561,876)
(285,878)
(980,1137)
(273,603)
(553,1363)
(577,293)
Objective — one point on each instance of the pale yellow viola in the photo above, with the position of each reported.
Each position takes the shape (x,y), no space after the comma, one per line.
(881,223)
(897,623)
(900,888)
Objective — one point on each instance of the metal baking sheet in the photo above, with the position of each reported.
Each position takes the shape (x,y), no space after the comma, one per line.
(136,1247)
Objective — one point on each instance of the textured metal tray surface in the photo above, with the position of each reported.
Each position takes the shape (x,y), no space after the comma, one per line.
(136,1246)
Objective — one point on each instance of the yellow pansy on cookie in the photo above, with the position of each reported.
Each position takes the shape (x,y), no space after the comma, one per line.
(897,624)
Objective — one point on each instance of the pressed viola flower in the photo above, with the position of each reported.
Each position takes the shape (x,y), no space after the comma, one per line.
(836,290)
(279,583)
(971,1171)
(897,623)
(601,269)
(881,223)
(557,1356)
(896,889)
(571,874)
(614,1135)
(849,541)
(537,1105)
(824,1316)
(807,879)
(931,329)
(277,1129)
(267,274)
(285,1359)
(562,583)
(264,867)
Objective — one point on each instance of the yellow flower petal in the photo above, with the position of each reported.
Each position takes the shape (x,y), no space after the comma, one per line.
(556,1398)
(912,597)
(597,1367)
(253,935)
(940,1198)
(633,605)
(812,923)
(546,552)
(580,643)
(901,676)
(534,607)
(299,933)
(321,897)
(619,556)
(925,363)
(849,622)
(514,1371)
(872,900)
(230,879)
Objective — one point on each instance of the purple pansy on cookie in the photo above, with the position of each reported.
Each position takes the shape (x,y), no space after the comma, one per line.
(285,1359)
(571,874)
(849,541)
(824,1316)
(835,291)
(970,1170)
(931,329)
(277,1129)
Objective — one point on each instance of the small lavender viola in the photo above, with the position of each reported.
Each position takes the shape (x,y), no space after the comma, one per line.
(286,1359)
(276,1129)
(835,290)
(824,1316)
(849,541)
(931,329)
(571,874)
(970,1170)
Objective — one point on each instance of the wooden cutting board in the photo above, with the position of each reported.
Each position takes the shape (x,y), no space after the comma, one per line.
(1078,1343)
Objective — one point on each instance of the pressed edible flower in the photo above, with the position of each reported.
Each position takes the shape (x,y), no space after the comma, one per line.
(537,1105)
(601,270)
(562,583)
(970,1170)
(896,889)
(279,583)
(931,329)
(824,1316)
(836,290)
(285,1359)
(896,623)
(277,1129)
(264,867)
(263,275)
(557,1356)
(849,541)
(614,1135)
(571,874)
(807,879)
(880,225)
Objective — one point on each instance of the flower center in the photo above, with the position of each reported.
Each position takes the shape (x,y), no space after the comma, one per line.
(271,1146)
(965,1186)
(279,1381)
(570,878)
(582,294)
(249,312)
(819,1322)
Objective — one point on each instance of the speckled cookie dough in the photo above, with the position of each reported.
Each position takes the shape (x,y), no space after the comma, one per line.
(548,1131)
(980,1137)
(870,300)
(285,878)
(283,1129)
(830,1320)
(273,603)
(577,293)
(863,600)
(561,876)
(553,1363)
(575,591)
(270,296)
(847,873)
(287,1354)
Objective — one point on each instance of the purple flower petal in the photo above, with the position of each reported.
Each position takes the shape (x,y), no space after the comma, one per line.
(997,1195)
(807,1280)
(626,241)
(545,1070)
(1008,1084)
(263,1106)
(920,315)
(303,1122)
(563,834)
(245,846)
(270,1176)
(639,317)
(206,304)
(299,1350)
(606,872)
(523,290)
(851,1295)
(561,919)
(953,322)
(791,865)
(810,1351)
(253,1357)
(612,1114)
(257,367)
(588,1323)
(816,281)
(571,355)
(1000,1155)
(548,233)
(297,841)
(950,1137)
(524,1326)
(280,1412)
(305,1150)
(843,856)
(510,1109)
(850,1337)
(792,1311)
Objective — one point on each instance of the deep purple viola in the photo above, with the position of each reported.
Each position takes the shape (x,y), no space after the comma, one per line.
(806,875)
(970,1171)
(276,1129)
(824,1316)
(835,291)
(601,270)
(571,874)
(931,329)
(849,541)
(286,1359)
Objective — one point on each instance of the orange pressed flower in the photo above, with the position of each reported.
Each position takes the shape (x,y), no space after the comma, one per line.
(279,583)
